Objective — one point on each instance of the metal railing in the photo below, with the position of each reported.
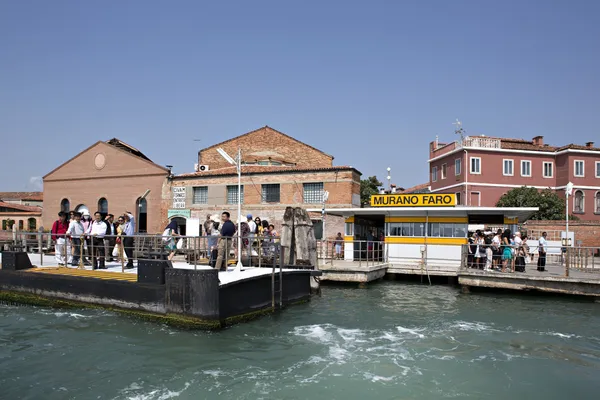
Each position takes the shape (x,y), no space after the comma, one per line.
(127,251)
(558,260)
(364,252)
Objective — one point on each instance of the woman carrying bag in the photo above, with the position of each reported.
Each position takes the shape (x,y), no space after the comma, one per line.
(168,236)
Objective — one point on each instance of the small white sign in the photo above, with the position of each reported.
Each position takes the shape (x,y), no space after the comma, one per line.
(179,197)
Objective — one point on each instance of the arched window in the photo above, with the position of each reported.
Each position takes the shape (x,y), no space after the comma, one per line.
(20,225)
(31,224)
(103,206)
(65,205)
(578,206)
(142,215)
(597,207)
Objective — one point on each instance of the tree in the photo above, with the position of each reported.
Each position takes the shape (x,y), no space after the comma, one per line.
(368,187)
(552,207)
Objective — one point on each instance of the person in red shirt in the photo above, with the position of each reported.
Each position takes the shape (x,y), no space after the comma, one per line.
(59,234)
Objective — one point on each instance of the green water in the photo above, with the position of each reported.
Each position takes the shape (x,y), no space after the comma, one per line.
(390,341)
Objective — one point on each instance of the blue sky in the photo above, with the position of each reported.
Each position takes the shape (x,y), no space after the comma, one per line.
(370,82)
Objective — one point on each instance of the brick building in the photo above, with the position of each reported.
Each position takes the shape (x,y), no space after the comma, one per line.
(110,177)
(480,169)
(22,209)
(278,171)
(23,198)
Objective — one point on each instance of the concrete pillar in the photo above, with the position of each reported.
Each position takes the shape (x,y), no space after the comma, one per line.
(191,292)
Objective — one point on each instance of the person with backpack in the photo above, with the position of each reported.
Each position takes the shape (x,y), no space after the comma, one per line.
(75,233)
(59,236)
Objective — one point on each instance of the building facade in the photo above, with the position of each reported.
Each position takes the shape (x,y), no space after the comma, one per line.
(278,171)
(110,177)
(35,199)
(480,169)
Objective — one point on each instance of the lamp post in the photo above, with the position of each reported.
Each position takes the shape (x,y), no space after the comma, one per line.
(325,197)
(568,192)
(389,178)
(237,162)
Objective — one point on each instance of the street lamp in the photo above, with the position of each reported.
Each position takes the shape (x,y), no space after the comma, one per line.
(237,162)
(389,178)
(568,192)
(325,197)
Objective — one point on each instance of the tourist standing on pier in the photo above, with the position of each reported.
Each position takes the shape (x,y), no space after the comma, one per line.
(59,232)
(86,220)
(542,248)
(213,241)
(75,232)
(519,259)
(252,234)
(171,231)
(97,232)
(109,239)
(339,241)
(128,231)
(225,240)
(69,244)
(507,254)
(496,249)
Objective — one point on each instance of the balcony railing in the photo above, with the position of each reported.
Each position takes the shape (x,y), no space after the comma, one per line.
(480,142)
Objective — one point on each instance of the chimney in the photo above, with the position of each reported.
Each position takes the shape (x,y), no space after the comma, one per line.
(589,145)
(538,141)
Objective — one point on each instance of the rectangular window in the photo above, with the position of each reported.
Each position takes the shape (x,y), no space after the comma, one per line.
(508,167)
(548,169)
(597,169)
(457,166)
(525,168)
(444,166)
(455,230)
(407,229)
(271,193)
(232,194)
(476,165)
(349,229)
(201,195)
(313,193)
(434,174)
(579,168)
(458,195)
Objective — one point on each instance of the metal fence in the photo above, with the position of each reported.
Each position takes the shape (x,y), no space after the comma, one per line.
(559,260)
(128,250)
(363,252)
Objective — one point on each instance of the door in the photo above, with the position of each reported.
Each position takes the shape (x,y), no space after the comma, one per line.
(475,199)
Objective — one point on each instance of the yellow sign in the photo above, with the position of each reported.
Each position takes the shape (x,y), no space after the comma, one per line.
(413,200)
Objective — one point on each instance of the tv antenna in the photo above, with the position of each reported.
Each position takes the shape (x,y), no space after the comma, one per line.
(459,129)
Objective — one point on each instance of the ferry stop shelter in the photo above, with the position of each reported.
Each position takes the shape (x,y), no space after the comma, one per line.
(413,231)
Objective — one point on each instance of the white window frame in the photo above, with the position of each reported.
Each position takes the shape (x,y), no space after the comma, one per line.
(544,169)
(582,202)
(479,197)
(471,159)
(597,169)
(458,198)
(512,167)
(582,168)
(444,171)
(434,174)
(530,167)
(457,166)
(596,205)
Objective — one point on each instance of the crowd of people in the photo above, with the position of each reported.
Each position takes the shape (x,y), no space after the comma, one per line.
(258,237)
(504,251)
(79,239)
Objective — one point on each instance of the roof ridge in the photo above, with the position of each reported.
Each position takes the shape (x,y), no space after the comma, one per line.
(266,127)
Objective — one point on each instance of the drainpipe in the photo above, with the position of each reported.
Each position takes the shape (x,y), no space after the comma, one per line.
(467,169)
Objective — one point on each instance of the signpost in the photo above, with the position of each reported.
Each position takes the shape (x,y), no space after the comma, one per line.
(413,200)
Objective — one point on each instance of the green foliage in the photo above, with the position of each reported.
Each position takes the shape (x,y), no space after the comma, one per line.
(368,187)
(552,207)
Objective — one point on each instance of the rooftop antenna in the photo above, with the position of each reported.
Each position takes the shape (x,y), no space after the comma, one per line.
(459,129)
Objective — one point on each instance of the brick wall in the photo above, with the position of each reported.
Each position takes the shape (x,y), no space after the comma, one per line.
(265,143)
(586,231)
(341,186)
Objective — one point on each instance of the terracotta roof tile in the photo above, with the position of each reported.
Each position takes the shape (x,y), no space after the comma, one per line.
(33,196)
(422,188)
(19,207)
(261,169)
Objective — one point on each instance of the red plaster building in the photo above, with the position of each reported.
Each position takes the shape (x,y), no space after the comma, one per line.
(480,169)
(278,171)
